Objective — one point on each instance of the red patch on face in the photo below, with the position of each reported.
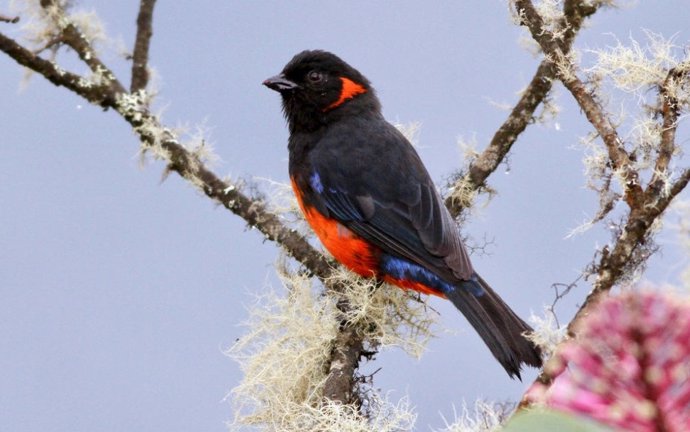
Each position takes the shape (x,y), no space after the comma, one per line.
(347,247)
(349,90)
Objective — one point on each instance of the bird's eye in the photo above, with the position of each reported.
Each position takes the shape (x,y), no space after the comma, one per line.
(315,77)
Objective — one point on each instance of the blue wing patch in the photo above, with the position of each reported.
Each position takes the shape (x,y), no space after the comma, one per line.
(315,182)
(400,268)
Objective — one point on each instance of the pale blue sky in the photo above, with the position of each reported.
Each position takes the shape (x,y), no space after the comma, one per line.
(119,293)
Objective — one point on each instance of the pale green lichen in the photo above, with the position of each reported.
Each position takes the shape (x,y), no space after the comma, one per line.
(411,131)
(42,25)
(632,77)
(634,68)
(283,358)
(482,417)
(547,333)
(386,316)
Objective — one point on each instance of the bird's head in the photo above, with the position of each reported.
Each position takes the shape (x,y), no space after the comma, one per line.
(317,88)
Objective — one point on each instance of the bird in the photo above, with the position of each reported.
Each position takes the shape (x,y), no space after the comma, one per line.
(370,200)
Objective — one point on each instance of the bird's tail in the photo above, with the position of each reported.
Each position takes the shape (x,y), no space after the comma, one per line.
(500,328)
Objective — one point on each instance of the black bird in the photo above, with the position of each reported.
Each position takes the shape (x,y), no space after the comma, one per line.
(370,200)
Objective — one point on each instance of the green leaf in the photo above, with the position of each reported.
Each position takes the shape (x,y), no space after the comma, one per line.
(550,421)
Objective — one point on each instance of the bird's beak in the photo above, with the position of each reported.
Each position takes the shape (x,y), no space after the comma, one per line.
(280,84)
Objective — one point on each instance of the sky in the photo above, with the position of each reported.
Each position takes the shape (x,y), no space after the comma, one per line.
(119,292)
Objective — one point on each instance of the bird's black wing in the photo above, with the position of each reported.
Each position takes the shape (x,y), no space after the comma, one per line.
(373,182)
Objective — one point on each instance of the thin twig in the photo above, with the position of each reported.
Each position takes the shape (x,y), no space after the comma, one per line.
(669,112)
(560,291)
(11,20)
(99,94)
(71,36)
(76,40)
(140,55)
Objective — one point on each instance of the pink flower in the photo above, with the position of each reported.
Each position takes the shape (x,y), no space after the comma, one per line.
(629,366)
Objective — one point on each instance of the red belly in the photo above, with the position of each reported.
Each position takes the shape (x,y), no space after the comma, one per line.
(345,246)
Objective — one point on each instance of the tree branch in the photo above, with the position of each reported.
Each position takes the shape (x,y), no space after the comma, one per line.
(98,94)
(522,113)
(229,195)
(613,263)
(182,161)
(646,206)
(340,386)
(347,347)
(75,39)
(670,110)
(593,110)
(348,344)
(140,55)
